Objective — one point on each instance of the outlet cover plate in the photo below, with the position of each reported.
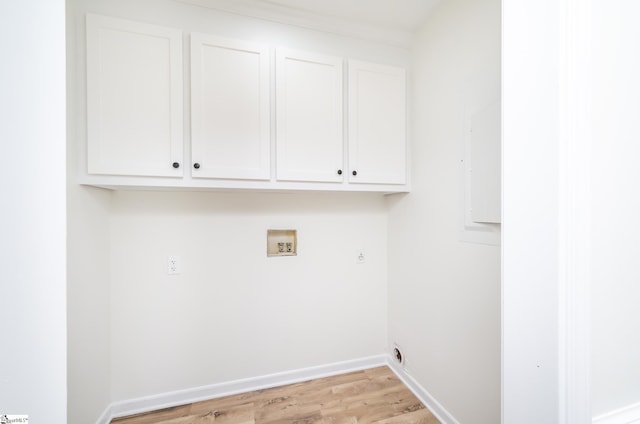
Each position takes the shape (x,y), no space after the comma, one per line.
(174,267)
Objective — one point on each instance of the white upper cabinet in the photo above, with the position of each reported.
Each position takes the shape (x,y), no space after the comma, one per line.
(134,98)
(230,131)
(309,117)
(259,118)
(377,124)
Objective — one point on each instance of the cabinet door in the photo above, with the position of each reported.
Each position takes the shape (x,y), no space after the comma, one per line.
(377,124)
(134,98)
(230,129)
(309,122)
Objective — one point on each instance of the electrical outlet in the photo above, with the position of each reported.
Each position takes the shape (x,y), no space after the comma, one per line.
(173,265)
(360,257)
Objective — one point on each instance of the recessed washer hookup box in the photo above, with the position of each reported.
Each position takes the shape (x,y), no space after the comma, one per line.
(282,243)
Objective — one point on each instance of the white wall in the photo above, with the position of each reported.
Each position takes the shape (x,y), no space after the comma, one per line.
(232,313)
(88,234)
(88,310)
(444,294)
(32,229)
(530,212)
(616,207)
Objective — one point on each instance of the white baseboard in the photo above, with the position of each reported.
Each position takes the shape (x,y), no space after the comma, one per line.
(627,415)
(181,397)
(421,393)
(106,416)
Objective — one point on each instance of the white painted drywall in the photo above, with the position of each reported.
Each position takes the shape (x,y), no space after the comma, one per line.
(530,142)
(32,228)
(88,235)
(233,312)
(444,294)
(616,206)
(88,351)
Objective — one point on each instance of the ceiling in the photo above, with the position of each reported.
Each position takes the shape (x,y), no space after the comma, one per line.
(401,15)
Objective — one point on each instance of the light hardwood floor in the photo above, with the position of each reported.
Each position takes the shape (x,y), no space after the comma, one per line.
(370,396)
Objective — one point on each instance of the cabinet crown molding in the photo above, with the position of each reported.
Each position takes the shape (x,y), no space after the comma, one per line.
(297,17)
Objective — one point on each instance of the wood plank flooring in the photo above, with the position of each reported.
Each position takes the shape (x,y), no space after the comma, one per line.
(363,397)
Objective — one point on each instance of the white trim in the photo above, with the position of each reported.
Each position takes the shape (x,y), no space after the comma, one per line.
(297,17)
(627,415)
(574,191)
(421,393)
(181,397)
